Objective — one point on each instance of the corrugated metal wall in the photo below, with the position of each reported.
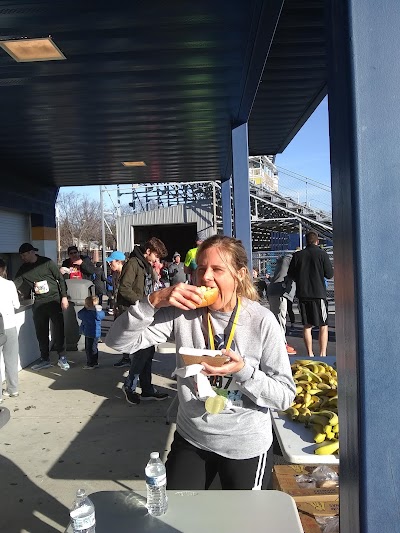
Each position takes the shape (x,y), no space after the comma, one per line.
(199,213)
(15,229)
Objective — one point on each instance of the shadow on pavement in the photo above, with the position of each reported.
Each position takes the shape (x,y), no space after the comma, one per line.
(29,509)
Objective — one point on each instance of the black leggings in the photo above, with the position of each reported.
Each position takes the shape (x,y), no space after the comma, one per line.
(190,468)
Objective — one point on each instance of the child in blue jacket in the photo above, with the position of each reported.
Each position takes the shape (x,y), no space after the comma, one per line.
(91,316)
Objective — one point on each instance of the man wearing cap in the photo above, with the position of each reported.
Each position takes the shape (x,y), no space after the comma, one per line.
(190,259)
(40,276)
(136,281)
(77,266)
(176,270)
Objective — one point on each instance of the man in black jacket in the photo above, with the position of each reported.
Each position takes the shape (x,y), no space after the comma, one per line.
(136,281)
(309,268)
(40,276)
(77,266)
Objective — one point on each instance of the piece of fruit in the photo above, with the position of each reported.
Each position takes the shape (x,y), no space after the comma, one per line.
(215,404)
(327,448)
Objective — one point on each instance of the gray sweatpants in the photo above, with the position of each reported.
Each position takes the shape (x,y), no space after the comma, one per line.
(278,306)
(10,356)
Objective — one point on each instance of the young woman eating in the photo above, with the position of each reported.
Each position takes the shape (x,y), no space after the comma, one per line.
(236,440)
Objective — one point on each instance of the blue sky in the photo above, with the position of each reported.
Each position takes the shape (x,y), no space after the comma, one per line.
(307,155)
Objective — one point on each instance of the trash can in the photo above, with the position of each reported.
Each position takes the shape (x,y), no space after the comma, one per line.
(78,290)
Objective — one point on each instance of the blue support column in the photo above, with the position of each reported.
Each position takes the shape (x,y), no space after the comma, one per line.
(241,187)
(226,207)
(364,88)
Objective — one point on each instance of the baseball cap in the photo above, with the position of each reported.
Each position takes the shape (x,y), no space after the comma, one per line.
(200,236)
(27,247)
(116,256)
(176,254)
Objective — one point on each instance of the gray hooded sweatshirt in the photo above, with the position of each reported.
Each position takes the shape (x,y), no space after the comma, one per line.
(265,382)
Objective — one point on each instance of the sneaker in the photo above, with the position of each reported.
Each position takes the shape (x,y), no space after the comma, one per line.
(43,363)
(158,396)
(131,397)
(110,312)
(123,362)
(91,367)
(7,394)
(63,363)
(290,350)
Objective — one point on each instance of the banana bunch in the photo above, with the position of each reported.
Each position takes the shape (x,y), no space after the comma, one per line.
(315,403)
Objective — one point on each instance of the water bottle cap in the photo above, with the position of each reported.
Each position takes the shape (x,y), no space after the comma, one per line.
(154,455)
(80,493)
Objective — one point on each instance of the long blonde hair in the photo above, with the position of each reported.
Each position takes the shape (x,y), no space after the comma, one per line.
(235,258)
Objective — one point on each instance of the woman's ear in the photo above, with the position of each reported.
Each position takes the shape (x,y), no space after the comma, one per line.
(241,274)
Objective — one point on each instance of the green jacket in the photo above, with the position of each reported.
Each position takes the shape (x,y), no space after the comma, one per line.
(43,278)
(135,282)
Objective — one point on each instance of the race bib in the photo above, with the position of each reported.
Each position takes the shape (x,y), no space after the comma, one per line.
(225,386)
(41,287)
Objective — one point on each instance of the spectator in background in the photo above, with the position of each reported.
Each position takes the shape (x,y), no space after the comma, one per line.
(190,259)
(110,291)
(259,283)
(40,276)
(281,289)
(176,270)
(9,301)
(116,262)
(308,268)
(137,281)
(91,316)
(99,282)
(164,273)
(77,266)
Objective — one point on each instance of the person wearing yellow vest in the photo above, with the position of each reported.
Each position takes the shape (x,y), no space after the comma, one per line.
(190,259)
(223,425)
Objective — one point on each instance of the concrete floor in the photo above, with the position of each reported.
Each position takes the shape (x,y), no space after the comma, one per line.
(74,429)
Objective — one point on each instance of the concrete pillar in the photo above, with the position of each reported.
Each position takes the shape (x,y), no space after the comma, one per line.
(43,229)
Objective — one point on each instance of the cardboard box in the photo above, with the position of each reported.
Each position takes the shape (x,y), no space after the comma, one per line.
(309,523)
(319,508)
(284,479)
(309,510)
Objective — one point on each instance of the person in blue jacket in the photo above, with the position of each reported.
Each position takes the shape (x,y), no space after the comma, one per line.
(91,316)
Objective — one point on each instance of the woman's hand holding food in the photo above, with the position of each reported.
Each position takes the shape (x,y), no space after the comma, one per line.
(235,364)
(181,295)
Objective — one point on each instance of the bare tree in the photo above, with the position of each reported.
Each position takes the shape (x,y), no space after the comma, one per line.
(80,221)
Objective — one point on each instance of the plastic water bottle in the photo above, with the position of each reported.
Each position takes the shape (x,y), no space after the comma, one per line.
(156,481)
(82,514)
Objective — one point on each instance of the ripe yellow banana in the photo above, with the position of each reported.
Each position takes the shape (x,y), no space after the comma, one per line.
(314,377)
(319,419)
(323,386)
(331,416)
(303,377)
(292,412)
(328,448)
(319,437)
(314,391)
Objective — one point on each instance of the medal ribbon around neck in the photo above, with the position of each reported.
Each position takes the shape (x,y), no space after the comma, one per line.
(230,329)
(216,404)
